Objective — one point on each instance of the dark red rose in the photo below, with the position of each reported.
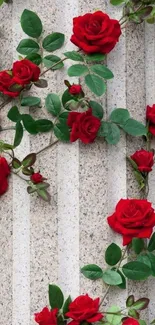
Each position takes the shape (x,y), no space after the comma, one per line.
(37,178)
(46,317)
(6,82)
(4,173)
(84,308)
(25,71)
(95,32)
(144,160)
(133,218)
(75,89)
(84,126)
(130,321)
(150,116)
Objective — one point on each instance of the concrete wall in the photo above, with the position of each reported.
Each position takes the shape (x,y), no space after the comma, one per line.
(43,243)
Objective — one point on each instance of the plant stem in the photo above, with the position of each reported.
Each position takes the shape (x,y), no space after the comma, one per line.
(6,128)
(47,147)
(54,65)
(19,176)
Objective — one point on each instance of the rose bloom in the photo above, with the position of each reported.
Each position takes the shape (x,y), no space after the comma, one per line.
(25,71)
(6,81)
(133,218)
(75,89)
(36,178)
(84,126)
(144,160)
(84,308)
(4,173)
(150,116)
(46,317)
(130,321)
(95,32)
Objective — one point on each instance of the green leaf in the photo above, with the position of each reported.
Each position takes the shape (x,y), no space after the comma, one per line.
(152,260)
(56,297)
(28,172)
(144,259)
(102,71)
(29,124)
(42,185)
(132,162)
(35,58)
(137,245)
(133,313)
(141,322)
(16,163)
(130,301)
(14,114)
(31,190)
(41,83)
(112,318)
(61,131)
(95,57)
(29,160)
(53,42)
(18,134)
(141,304)
(151,245)
(134,128)
(66,306)
(44,125)
(140,179)
(53,104)
(66,97)
(116,2)
(111,277)
(31,24)
(51,60)
(92,271)
(30,101)
(119,116)
(123,284)
(110,132)
(44,195)
(113,254)
(97,109)
(136,270)
(63,117)
(27,46)
(6,146)
(77,70)
(95,84)
(73,55)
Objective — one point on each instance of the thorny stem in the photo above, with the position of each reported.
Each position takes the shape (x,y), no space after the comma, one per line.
(118,266)
(47,147)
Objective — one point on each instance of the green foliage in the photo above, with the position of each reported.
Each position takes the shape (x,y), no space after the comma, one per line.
(66,305)
(73,55)
(53,104)
(31,24)
(41,83)
(29,160)
(95,57)
(114,317)
(151,245)
(61,131)
(137,245)
(113,254)
(95,84)
(16,164)
(51,60)
(35,58)
(111,277)
(30,101)
(119,116)
(92,271)
(29,124)
(18,134)
(14,114)
(56,297)
(102,71)
(134,127)
(110,132)
(136,270)
(43,125)
(117,2)
(77,70)
(53,42)
(97,109)
(27,46)
(130,301)
(141,304)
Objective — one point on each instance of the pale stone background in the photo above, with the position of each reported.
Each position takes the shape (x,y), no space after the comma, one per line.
(43,243)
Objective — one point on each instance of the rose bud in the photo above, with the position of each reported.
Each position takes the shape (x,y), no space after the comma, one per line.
(144,160)
(75,89)
(36,178)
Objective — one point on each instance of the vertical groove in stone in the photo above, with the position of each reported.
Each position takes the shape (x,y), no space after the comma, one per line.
(68,180)
(21,209)
(6,201)
(116,98)
(150,100)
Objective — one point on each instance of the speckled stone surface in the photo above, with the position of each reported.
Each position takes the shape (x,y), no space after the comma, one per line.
(44,243)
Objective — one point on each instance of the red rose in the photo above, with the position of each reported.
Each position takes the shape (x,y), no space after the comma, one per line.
(6,81)
(4,173)
(46,317)
(95,33)
(130,321)
(144,160)
(84,126)
(84,308)
(36,178)
(133,218)
(150,116)
(75,89)
(25,71)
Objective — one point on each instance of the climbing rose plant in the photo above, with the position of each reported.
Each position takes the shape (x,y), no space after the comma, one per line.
(75,116)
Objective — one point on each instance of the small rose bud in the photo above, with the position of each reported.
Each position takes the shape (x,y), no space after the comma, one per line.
(36,178)
(75,89)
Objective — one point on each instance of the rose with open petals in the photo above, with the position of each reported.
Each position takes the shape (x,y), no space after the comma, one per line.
(84,126)
(25,71)
(144,160)
(133,218)
(130,321)
(95,32)
(6,82)
(46,317)
(4,173)
(84,308)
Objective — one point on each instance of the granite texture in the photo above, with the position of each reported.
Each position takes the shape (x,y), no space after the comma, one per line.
(45,243)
